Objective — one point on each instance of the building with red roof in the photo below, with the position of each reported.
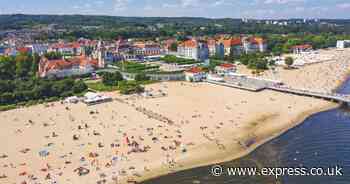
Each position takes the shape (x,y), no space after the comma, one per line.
(166,44)
(147,49)
(232,45)
(195,74)
(24,50)
(67,67)
(193,49)
(297,49)
(72,49)
(216,48)
(225,69)
(211,46)
(192,43)
(254,44)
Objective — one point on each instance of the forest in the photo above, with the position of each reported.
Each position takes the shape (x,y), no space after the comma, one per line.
(111,27)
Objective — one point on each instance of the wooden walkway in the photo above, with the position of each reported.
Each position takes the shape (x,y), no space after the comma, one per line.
(254,89)
(336,97)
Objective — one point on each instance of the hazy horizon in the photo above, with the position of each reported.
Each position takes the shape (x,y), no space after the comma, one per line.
(291,18)
(257,9)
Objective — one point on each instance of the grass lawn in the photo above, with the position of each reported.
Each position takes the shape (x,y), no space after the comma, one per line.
(99,86)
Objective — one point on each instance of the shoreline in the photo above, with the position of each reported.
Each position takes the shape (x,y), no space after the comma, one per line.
(296,121)
(230,128)
(242,153)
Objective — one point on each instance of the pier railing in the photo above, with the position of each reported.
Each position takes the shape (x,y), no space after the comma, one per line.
(335,97)
(328,96)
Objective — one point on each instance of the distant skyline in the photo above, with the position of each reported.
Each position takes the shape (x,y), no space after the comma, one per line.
(259,9)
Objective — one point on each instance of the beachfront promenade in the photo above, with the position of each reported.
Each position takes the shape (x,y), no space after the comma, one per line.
(261,84)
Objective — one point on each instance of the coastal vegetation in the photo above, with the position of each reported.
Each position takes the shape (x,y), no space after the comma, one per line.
(53,55)
(124,87)
(279,44)
(111,79)
(100,86)
(141,77)
(289,61)
(130,87)
(21,86)
(115,82)
(256,61)
(170,59)
(134,67)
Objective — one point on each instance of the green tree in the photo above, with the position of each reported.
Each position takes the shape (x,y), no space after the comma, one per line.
(7,68)
(23,65)
(130,87)
(173,47)
(53,55)
(141,77)
(289,61)
(35,63)
(111,79)
(79,87)
(6,98)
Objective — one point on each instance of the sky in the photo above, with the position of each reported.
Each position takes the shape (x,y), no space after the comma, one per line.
(261,9)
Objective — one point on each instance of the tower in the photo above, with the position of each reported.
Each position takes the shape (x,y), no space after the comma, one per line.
(101,54)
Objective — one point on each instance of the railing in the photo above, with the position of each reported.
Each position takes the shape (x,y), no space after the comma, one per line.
(331,96)
(235,85)
(328,96)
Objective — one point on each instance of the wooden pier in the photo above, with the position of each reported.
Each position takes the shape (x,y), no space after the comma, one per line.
(334,97)
(243,87)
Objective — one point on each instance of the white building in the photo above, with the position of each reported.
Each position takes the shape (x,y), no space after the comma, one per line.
(212,46)
(233,46)
(66,67)
(225,69)
(299,49)
(193,49)
(95,98)
(341,44)
(147,50)
(73,48)
(254,44)
(216,48)
(215,77)
(195,74)
(39,49)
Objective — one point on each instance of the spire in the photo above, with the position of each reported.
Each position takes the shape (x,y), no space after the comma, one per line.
(101,54)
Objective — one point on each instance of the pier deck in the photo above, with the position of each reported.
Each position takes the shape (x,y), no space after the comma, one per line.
(327,96)
(260,85)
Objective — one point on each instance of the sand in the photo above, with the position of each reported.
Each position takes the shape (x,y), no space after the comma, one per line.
(135,138)
(322,77)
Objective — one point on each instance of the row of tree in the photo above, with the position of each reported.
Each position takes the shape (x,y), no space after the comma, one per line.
(279,44)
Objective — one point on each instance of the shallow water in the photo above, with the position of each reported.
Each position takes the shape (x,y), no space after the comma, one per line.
(322,140)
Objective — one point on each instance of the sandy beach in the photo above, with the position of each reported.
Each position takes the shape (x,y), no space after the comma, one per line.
(322,77)
(135,138)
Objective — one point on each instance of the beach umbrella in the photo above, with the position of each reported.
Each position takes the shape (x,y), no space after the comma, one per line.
(44,153)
